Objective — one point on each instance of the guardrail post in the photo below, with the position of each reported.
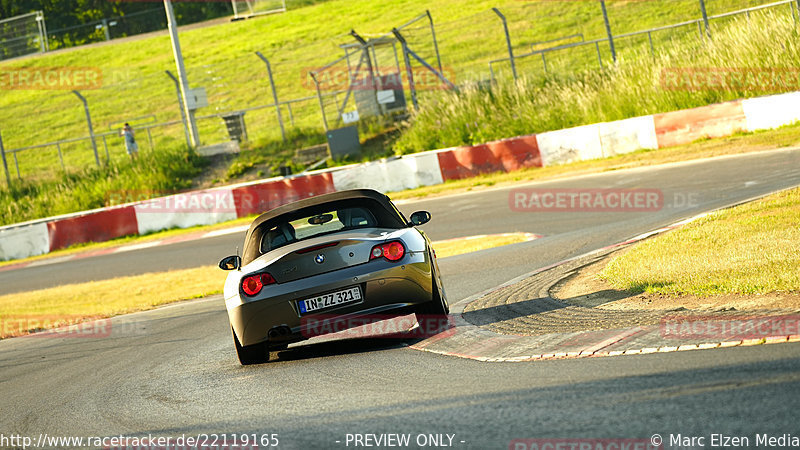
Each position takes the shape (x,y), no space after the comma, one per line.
(274,95)
(5,163)
(508,42)
(608,31)
(91,129)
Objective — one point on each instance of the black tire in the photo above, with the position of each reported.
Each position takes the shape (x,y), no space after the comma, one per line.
(250,354)
(436,307)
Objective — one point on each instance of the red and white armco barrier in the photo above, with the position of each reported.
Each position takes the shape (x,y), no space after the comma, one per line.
(406,172)
(763,113)
(185,210)
(421,169)
(23,241)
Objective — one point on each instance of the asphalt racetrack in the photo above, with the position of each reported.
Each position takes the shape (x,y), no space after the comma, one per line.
(173,371)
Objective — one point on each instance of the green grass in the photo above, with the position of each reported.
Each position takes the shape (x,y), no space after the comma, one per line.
(221,58)
(631,88)
(154,174)
(750,249)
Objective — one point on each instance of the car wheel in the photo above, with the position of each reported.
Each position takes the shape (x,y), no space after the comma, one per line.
(436,307)
(250,354)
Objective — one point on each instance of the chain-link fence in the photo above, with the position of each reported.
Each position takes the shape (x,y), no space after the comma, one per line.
(330,83)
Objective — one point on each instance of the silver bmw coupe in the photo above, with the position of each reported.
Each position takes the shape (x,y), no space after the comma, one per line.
(328,259)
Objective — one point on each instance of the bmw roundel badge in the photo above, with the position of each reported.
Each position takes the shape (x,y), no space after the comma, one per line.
(319,259)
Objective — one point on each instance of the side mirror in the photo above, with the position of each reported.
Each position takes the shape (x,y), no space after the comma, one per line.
(231,263)
(420,218)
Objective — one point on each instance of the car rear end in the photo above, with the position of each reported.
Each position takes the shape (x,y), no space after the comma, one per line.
(293,292)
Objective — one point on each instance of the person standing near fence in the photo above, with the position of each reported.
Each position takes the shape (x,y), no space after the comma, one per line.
(130,141)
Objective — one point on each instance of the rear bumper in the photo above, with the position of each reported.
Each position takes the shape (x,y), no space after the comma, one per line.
(386,288)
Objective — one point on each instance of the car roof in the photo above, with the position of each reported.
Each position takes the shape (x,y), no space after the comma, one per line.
(318,200)
(334,197)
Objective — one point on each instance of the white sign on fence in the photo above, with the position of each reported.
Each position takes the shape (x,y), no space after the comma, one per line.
(386,97)
(350,117)
(197,98)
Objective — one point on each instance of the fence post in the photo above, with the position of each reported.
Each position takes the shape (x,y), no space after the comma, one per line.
(508,42)
(180,106)
(61,157)
(183,82)
(409,73)
(705,17)
(91,129)
(16,164)
(599,58)
(5,163)
(43,39)
(797,4)
(321,102)
(608,31)
(436,44)
(105,145)
(150,140)
(274,95)
(106,31)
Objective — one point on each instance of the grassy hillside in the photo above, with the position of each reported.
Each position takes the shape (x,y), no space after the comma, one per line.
(221,59)
(634,87)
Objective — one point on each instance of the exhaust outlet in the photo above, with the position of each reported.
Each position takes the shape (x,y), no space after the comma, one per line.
(278,332)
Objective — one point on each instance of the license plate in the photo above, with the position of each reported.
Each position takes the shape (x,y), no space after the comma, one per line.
(329,300)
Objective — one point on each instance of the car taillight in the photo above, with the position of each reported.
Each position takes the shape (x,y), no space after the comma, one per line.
(392,251)
(252,285)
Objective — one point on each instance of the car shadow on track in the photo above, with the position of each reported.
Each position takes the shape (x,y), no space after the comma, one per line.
(340,347)
(333,346)
(490,314)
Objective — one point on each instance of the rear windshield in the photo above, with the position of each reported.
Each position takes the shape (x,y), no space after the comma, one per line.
(317,224)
